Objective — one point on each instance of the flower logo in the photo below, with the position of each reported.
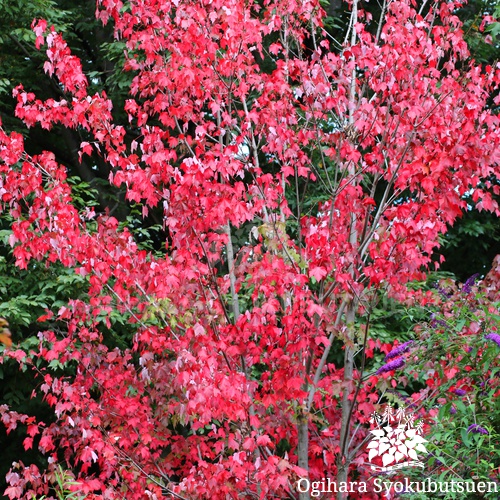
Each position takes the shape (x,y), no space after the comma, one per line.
(397,440)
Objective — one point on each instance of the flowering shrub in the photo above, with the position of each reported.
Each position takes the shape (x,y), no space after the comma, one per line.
(456,362)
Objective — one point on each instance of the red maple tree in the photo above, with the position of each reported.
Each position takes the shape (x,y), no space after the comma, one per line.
(229,390)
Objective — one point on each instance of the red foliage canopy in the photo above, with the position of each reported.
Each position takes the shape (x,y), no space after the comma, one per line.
(227,370)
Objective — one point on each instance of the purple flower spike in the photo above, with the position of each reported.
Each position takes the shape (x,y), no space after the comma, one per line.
(467,288)
(453,410)
(400,349)
(442,291)
(477,429)
(495,337)
(460,392)
(392,365)
(435,322)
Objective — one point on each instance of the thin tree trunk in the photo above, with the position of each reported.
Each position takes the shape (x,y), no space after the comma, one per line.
(343,459)
(303,446)
(235,306)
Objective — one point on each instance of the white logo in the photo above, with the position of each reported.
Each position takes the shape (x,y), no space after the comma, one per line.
(396,440)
